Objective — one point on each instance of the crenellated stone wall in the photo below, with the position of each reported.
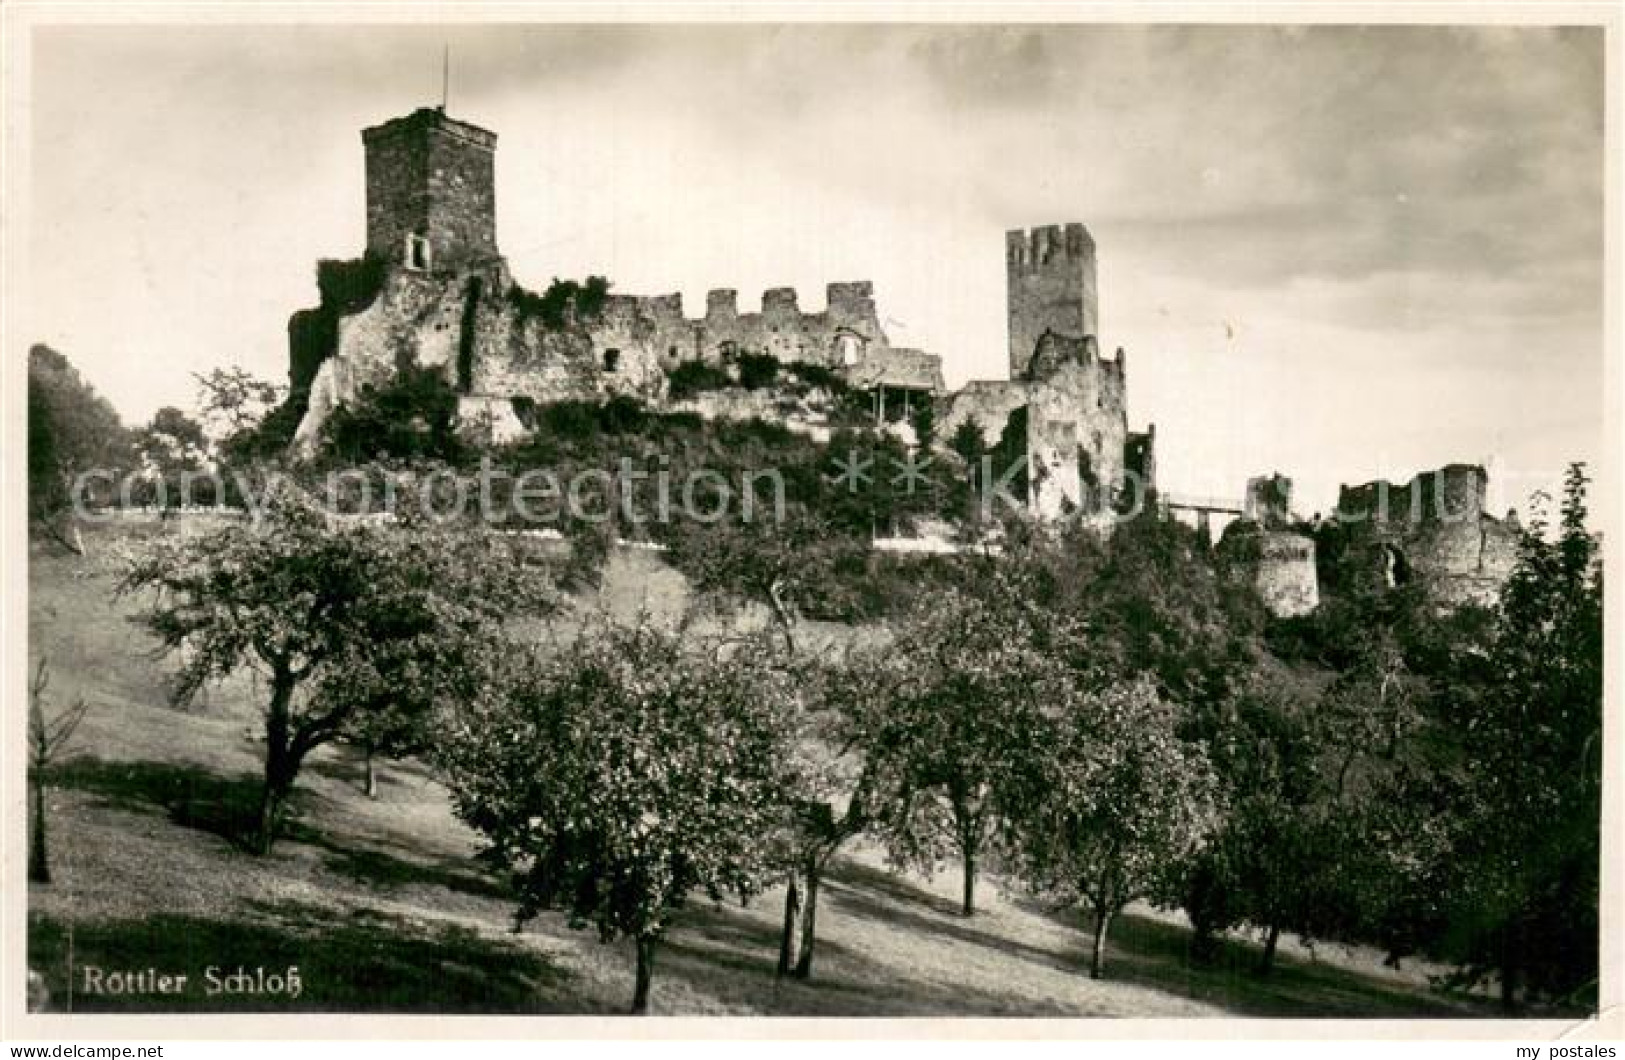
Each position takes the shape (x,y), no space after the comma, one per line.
(1433,528)
(844,334)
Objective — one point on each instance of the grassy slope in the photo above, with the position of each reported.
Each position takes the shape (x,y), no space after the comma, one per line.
(382,908)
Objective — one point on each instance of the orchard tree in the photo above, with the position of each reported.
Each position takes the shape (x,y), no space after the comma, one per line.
(963,720)
(1125,805)
(620,775)
(330,615)
(1262,746)
(832,791)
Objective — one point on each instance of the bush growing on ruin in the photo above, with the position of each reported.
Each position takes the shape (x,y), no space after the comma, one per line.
(413,416)
(816,376)
(757,370)
(552,306)
(692,378)
(625,773)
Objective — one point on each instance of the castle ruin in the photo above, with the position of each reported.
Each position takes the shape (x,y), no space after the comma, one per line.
(445,300)
(434,292)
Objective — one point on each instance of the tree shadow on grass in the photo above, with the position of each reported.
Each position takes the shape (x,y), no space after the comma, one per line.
(895,888)
(348,766)
(386,872)
(191,796)
(1155,954)
(859,890)
(347,961)
(228,807)
(724,953)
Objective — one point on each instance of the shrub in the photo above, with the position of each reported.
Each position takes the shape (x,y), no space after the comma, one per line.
(757,370)
(412,416)
(550,305)
(817,376)
(694,377)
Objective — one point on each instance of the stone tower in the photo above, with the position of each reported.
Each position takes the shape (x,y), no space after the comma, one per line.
(1050,286)
(431,192)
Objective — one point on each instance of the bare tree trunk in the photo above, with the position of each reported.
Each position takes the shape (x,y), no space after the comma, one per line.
(39,866)
(1266,964)
(784,612)
(280,765)
(372,775)
(792,923)
(272,801)
(968,904)
(1097,961)
(809,922)
(646,970)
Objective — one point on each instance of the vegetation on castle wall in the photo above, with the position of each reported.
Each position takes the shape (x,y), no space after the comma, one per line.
(692,378)
(349,286)
(552,306)
(757,371)
(794,380)
(345,286)
(414,416)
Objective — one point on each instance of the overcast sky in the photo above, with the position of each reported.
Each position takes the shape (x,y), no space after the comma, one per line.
(1334,252)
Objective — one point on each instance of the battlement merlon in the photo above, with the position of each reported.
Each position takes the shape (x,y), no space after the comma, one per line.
(852,299)
(780,302)
(722,302)
(1455,491)
(1032,249)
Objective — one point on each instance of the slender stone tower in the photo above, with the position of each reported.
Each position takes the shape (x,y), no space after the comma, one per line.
(431,192)
(1050,286)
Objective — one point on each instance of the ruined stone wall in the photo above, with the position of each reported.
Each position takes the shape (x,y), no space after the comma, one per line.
(1077,427)
(1269,500)
(1078,442)
(1454,492)
(415,320)
(845,332)
(1050,286)
(986,402)
(1285,574)
(1280,563)
(1433,528)
(617,351)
